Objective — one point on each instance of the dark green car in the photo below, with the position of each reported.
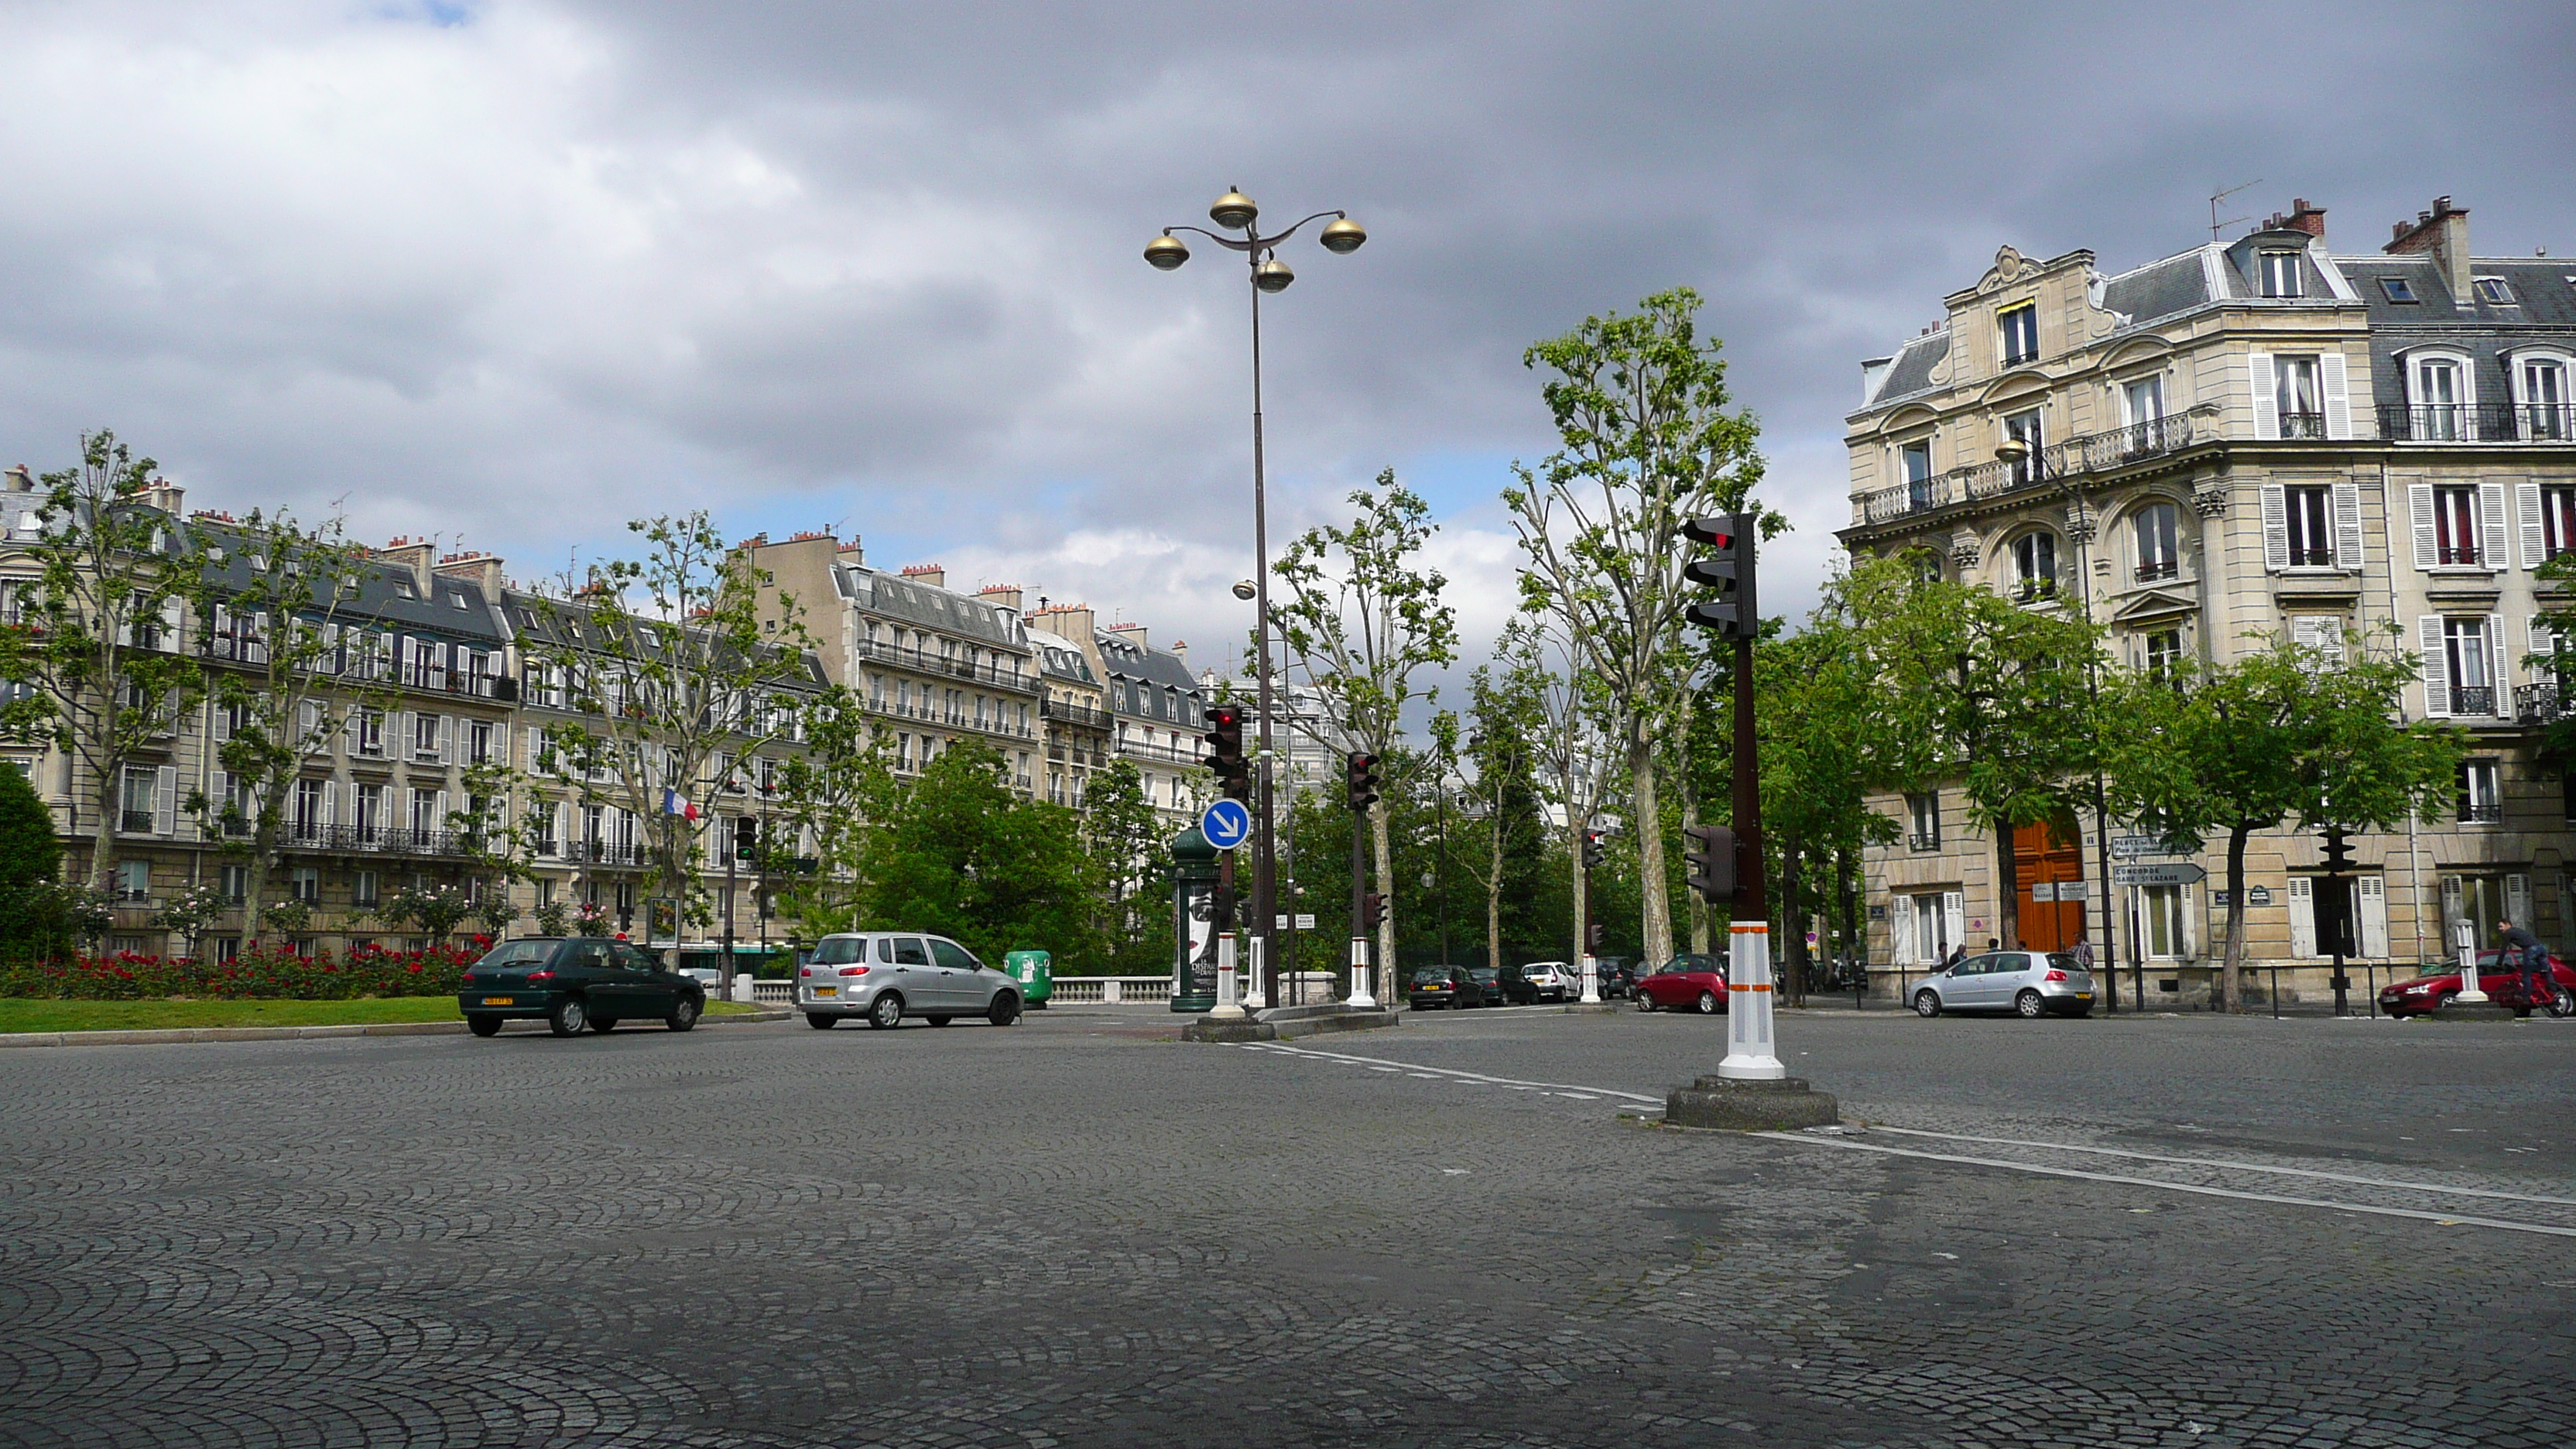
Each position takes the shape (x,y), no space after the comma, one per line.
(576,982)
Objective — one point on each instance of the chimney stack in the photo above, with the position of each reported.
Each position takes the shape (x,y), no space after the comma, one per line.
(1132,633)
(2441,233)
(418,555)
(1006,595)
(1065,621)
(165,495)
(20,480)
(482,569)
(2300,217)
(931,574)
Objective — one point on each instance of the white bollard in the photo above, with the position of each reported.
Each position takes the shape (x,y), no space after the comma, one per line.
(1254,998)
(1750,1055)
(1591,981)
(2470,992)
(1361,996)
(1225,1010)
(742,986)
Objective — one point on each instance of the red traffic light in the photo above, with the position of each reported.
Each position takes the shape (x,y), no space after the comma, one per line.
(1717,531)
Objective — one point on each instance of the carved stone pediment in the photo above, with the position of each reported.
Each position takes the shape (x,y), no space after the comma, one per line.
(2154,605)
(2008,267)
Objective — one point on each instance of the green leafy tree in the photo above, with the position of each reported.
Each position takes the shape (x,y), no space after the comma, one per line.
(1648,440)
(962,855)
(97,634)
(1363,617)
(828,791)
(1128,851)
(2280,734)
(1496,766)
(32,924)
(283,681)
(433,909)
(190,911)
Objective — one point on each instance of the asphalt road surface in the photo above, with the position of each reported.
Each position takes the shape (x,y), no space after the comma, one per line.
(2143,1231)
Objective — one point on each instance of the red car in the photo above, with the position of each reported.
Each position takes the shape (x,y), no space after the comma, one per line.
(1688,981)
(2426,994)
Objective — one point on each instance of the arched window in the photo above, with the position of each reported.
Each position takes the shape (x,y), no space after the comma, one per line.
(2034,557)
(2155,534)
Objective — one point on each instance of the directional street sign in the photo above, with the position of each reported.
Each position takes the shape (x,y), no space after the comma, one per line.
(1226,824)
(2128,847)
(2176,873)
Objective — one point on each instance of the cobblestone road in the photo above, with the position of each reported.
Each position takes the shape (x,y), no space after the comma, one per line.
(1072,1233)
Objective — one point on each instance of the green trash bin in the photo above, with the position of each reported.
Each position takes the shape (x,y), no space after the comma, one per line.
(1035,971)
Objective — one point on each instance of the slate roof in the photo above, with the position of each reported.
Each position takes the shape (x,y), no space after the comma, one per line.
(1911,370)
(893,596)
(1146,683)
(2159,289)
(1062,661)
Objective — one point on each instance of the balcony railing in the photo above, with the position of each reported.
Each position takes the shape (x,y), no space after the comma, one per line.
(906,657)
(2481,812)
(2092,453)
(2473,699)
(134,822)
(2543,703)
(1924,840)
(1073,714)
(2304,427)
(375,839)
(2478,422)
(2148,573)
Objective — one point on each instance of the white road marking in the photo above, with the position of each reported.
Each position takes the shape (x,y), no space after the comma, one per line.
(2230,1166)
(1383,1065)
(2444,1219)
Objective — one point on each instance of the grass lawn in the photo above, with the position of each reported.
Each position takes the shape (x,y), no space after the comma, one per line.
(17,1015)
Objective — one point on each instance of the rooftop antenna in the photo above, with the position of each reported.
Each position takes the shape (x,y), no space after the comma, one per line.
(2215,225)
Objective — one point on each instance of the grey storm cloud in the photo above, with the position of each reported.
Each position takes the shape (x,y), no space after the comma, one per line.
(509,273)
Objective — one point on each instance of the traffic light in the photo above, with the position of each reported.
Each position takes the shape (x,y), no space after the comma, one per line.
(1364,780)
(1592,938)
(2338,851)
(1372,910)
(746,837)
(1729,571)
(1712,865)
(1225,752)
(1592,851)
(2330,899)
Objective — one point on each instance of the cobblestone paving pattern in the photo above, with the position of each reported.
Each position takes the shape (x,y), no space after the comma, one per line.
(1065,1234)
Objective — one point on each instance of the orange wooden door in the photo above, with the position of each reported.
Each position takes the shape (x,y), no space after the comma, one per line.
(2046,853)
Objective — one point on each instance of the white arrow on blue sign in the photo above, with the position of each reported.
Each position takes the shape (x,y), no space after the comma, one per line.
(1226,824)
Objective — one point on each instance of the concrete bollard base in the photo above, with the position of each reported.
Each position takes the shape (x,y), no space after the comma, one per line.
(1783,1104)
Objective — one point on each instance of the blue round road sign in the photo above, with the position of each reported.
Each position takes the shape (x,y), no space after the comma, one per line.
(1226,824)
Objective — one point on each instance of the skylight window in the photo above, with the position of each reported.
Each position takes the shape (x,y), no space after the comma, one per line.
(2398,289)
(2496,291)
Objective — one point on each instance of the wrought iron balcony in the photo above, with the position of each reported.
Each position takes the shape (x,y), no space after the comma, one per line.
(2148,573)
(2481,812)
(1064,712)
(375,840)
(2306,427)
(1921,840)
(2478,422)
(2092,453)
(2543,703)
(2473,699)
(134,822)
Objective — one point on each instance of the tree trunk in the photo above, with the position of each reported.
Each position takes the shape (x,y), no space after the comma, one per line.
(1383,848)
(1658,934)
(1582,879)
(2007,891)
(1793,935)
(1494,894)
(2231,977)
(102,838)
(1850,903)
(1693,904)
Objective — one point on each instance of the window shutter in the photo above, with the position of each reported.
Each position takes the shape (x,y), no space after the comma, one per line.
(2347,527)
(2373,891)
(2517,900)
(330,802)
(172,616)
(221,718)
(439,820)
(350,730)
(2338,395)
(536,750)
(2190,924)
(1900,930)
(2419,502)
(2526,507)
(2503,666)
(2437,674)
(2544,642)
(2303,916)
(2267,408)
(1954,913)
(446,728)
(257,651)
(222,794)
(223,621)
(165,801)
(2276,528)
(2492,551)
(410,732)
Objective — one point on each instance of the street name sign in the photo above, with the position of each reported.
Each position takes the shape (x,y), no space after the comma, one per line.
(2181,872)
(1226,824)
(2129,847)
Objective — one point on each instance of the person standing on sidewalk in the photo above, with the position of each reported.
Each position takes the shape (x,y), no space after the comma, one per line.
(2524,951)
(2084,953)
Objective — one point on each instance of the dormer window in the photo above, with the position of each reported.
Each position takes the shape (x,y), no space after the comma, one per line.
(2020,333)
(402,587)
(2398,290)
(2281,274)
(2544,400)
(2495,292)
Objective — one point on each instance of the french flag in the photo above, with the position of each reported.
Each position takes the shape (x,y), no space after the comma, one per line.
(674,804)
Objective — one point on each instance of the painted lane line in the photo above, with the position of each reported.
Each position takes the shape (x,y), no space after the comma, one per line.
(2446,1219)
(2344,1177)
(1384,1065)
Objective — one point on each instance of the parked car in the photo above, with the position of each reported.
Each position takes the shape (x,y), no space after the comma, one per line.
(2426,994)
(575,983)
(1538,981)
(885,976)
(2028,983)
(1489,985)
(1691,980)
(1618,977)
(1448,986)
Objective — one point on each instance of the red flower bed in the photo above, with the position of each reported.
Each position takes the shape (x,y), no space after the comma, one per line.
(267,974)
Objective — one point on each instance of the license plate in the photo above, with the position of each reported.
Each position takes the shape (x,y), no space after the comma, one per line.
(2084,996)
(499,1000)
(825,990)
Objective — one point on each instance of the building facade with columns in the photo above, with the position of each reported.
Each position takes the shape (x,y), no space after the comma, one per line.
(2249,438)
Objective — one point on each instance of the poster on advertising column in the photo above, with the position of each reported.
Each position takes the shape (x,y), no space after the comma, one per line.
(1198,926)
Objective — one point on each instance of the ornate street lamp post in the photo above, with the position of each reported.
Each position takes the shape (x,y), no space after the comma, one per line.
(1235,212)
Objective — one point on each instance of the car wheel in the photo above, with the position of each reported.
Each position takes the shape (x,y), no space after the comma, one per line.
(2030,1005)
(568,1016)
(1927,1003)
(1708,1003)
(603,1024)
(821,1020)
(1645,1002)
(938,1021)
(2563,1004)
(1006,1009)
(685,1013)
(887,1011)
(2443,1001)
(483,1025)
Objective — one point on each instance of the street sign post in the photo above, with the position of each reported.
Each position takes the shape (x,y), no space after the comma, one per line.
(2130,847)
(2162,874)
(1226,824)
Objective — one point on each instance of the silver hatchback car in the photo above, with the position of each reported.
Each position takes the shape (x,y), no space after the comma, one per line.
(2030,983)
(885,976)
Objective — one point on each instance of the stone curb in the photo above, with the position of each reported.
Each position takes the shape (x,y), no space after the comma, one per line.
(173,1036)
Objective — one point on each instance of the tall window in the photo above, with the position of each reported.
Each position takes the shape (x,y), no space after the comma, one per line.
(2311,520)
(2035,564)
(1931,926)
(234,881)
(2545,400)
(2464,651)
(1925,812)
(371,731)
(1916,461)
(2145,401)
(2021,333)
(133,880)
(136,802)
(371,811)
(2281,274)
(304,883)
(2437,400)
(307,815)
(2455,526)
(2154,528)
(2160,922)
(2034,435)
(2481,792)
(2558,520)
(2164,655)
(2294,388)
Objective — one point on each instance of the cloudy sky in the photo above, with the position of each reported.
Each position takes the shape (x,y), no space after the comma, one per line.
(509,272)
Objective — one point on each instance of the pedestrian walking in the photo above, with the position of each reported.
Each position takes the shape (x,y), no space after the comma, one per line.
(2524,953)
(1958,953)
(2084,952)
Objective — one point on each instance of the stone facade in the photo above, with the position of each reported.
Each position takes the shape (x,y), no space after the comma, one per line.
(2243,440)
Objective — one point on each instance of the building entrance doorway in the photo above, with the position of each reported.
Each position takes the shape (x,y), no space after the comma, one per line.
(2048,870)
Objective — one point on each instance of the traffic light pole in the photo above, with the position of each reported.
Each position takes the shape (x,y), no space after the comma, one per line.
(1750,1051)
(1265,902)
(1360,973)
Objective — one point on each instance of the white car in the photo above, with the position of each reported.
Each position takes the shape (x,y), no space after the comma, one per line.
(882,977)
(1551,981)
